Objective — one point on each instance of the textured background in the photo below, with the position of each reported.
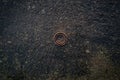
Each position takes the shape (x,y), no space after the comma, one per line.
(27,49)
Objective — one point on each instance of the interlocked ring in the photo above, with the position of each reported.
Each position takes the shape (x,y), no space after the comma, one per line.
(60,38)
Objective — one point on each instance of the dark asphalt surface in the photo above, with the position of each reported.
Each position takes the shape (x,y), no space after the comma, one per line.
(28,51)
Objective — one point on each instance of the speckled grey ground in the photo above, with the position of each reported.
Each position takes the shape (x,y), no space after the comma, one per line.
(27,49)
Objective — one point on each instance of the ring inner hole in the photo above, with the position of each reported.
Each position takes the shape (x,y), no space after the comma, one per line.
(60,37)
